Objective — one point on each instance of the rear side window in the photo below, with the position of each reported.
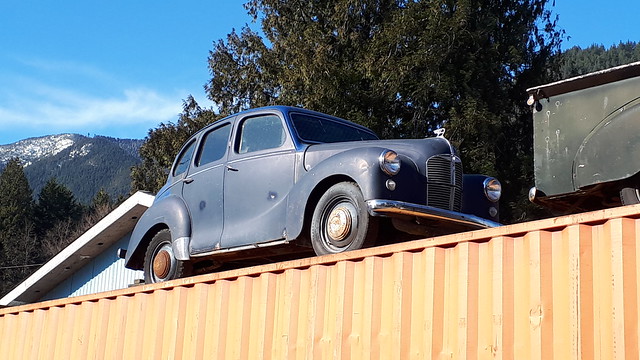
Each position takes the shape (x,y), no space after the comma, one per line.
(261,133)
(184,159)
(214,145)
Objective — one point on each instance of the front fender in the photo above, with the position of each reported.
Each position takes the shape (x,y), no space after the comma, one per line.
(169,212)
(474,200)
(358,165)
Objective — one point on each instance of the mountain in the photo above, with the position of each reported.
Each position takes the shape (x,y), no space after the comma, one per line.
(83,164)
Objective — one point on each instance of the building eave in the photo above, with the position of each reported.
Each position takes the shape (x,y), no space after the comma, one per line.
(106,232)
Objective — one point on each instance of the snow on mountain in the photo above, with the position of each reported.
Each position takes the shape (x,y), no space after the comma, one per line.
(83,164)
(32,149)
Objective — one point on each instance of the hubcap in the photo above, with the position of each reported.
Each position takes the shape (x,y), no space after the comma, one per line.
(339,224)
(162,264)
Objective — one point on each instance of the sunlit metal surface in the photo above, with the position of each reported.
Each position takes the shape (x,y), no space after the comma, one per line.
(563,288)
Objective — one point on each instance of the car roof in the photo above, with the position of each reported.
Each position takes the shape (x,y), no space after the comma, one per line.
(286,110)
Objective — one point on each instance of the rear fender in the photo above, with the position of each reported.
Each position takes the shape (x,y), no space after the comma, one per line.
(166,213)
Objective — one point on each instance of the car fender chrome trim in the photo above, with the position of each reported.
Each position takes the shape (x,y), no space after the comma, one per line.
(389,207)
(181,248)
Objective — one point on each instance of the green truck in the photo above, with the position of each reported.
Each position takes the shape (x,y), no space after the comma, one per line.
(587,140)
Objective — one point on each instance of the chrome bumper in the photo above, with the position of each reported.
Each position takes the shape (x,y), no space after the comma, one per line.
(389,207)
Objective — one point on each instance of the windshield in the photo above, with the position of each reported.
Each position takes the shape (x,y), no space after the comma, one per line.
(322,130)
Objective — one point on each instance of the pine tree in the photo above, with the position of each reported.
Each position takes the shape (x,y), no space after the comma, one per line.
(402,68)
(15,197)
(101,199)
(56,203)
(577,61)
(162,144)
(17,242)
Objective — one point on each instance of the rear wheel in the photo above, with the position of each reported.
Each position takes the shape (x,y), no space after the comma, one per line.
(341,221)
(160,264)
(630,196)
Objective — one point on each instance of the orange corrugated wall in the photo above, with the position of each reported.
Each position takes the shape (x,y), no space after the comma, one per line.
(562,288)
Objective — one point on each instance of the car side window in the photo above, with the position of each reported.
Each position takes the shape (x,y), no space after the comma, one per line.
(184,159)
(261,133)
(214,145)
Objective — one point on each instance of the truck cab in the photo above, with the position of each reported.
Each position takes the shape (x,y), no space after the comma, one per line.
(587,140)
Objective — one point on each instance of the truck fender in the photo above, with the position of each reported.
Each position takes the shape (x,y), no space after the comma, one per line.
(610,151)
(358,165)
(166,213)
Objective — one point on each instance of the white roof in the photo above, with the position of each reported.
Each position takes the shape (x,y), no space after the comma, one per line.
(106,232)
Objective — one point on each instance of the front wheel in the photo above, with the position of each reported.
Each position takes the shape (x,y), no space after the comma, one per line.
(160,264)
(341,221)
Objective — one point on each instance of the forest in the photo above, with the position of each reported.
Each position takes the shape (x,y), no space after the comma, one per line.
(32,232)
(402,68)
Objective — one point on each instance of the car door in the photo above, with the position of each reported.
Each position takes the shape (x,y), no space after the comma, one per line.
(203,189)
(259,176)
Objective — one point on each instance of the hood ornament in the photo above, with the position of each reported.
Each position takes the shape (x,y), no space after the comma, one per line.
(439,132)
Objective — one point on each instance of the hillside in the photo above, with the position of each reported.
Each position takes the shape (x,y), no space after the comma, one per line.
(83,164)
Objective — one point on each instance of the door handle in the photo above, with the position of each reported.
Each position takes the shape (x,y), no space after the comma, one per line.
(231,168)
(187,180)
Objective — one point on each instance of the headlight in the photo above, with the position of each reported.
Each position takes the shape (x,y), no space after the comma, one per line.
(389,162)
(492,189)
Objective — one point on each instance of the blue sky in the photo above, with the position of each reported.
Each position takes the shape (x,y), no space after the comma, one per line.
(119,68)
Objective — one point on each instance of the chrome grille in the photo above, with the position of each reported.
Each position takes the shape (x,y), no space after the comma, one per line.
(444,182)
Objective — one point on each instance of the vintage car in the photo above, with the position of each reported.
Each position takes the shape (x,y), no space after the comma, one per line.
(277,181)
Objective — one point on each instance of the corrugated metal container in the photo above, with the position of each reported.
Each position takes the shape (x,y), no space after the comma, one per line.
(563,288)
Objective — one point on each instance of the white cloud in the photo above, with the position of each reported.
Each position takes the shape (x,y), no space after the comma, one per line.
(51,97)
(33,104)
(69,68)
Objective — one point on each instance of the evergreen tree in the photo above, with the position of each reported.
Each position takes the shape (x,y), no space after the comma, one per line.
(239,79)
(17,242)
(56,204)
(101,199)
(402,68)
(577,61)
(162,144)
(15,198)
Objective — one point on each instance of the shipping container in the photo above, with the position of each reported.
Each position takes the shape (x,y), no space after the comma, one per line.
(563,288)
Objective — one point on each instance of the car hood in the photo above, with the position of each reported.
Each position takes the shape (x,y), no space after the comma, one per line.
(417,150)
